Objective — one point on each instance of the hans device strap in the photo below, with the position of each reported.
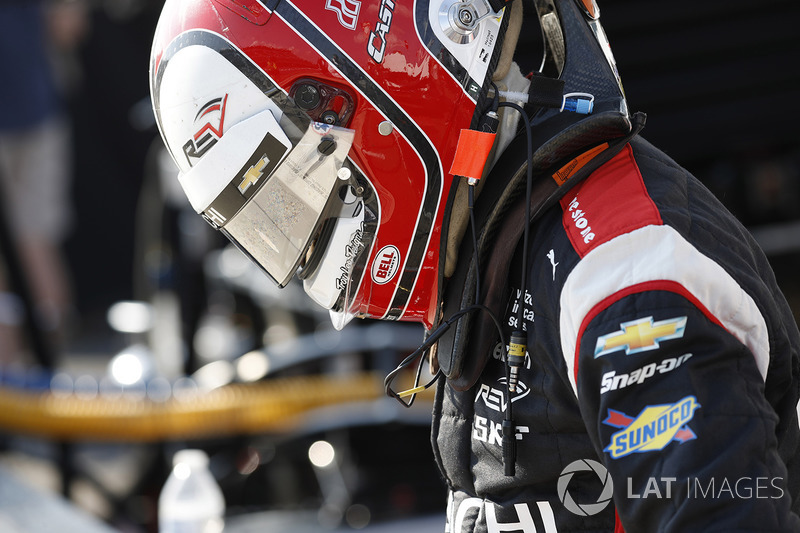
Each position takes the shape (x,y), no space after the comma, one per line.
(462,352)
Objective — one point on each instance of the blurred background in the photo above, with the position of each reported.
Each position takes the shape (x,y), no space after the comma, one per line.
(145,305)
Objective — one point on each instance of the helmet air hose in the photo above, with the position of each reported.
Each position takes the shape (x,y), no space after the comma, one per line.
(472,153)
(474,142)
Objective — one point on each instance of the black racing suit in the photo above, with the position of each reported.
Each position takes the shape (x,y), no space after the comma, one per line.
(660,351)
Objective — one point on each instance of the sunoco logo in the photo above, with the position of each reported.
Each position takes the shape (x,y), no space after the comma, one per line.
(655,427)
(386,265)
(585,509)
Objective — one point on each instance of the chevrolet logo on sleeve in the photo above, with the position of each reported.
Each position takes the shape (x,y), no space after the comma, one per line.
(640,335)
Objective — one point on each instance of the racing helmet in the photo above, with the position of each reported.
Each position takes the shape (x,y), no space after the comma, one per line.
(318,136)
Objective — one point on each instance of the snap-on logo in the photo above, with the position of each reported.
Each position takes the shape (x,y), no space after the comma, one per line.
(386,264)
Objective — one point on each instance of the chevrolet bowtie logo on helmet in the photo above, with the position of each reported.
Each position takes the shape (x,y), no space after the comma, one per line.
(253,174)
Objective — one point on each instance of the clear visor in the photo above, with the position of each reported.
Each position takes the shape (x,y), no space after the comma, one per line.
(276,203)
(281,219)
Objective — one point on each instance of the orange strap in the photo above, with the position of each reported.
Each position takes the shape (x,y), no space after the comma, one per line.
(472,153)
(564,173)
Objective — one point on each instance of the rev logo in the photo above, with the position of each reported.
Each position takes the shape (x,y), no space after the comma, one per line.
(209,123)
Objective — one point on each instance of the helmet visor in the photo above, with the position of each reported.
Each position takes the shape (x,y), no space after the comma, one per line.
(281,190)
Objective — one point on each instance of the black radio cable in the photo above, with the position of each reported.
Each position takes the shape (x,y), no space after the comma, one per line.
(517,343)
(517,346)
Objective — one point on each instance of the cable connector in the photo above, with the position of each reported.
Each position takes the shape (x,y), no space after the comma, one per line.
(517,346)
(509,448)
(581,103)
(489,122)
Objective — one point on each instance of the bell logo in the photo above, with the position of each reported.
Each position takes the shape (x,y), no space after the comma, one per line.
(386,264)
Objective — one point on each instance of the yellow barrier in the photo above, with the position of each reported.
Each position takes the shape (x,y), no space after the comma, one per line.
(272,405)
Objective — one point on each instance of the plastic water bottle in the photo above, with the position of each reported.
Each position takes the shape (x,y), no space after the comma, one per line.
(191,500)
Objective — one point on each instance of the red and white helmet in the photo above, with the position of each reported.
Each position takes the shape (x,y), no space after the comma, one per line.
(318,135)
